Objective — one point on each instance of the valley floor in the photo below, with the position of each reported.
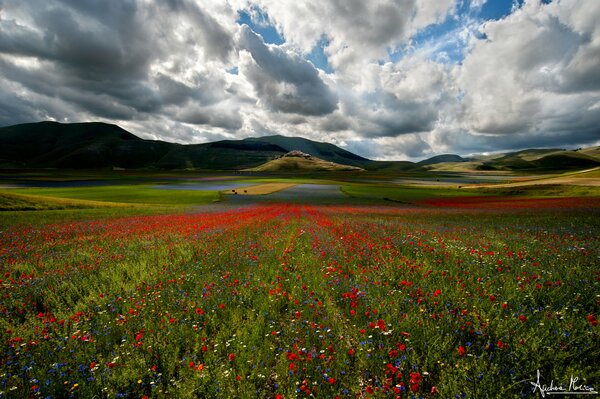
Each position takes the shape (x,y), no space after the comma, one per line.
(334,289)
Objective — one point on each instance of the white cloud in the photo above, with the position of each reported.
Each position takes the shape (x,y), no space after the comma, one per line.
(535,70)
(161,70)
(358,31)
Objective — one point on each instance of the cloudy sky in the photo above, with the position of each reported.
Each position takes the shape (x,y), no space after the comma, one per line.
(387,79)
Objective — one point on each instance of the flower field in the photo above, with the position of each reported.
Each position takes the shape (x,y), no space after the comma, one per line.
(294,301)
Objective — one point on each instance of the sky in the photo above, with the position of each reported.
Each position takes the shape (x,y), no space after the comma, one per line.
(386,79)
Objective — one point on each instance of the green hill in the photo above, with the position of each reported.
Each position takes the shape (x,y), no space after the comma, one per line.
(297,161)
(542,160)
(324,151)
(442,158)
(529,160)
(100,145)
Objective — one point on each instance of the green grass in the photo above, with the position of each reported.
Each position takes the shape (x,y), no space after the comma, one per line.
(540,191)
(40,217)
(399,193)
(9,201)
(137,194)
(132,307)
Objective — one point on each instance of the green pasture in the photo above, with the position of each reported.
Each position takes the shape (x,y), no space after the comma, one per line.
(138,194)
(399,193)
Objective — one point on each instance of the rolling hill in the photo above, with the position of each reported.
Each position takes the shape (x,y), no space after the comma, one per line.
(297,161)
(103,146)
(100,145)
(442,158)
(324,151)
(542,160)
(530,160)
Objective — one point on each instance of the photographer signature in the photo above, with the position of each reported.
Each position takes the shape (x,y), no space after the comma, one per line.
(575,387)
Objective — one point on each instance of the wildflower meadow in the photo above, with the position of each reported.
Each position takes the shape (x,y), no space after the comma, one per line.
(293,301)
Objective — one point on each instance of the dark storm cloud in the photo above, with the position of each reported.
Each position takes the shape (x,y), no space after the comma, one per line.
(335,123)
(93,54)
(135,96)
(15,110)
(201,116)
(284,81)
(93,39)
(391,116)
(204,91)
(96,55)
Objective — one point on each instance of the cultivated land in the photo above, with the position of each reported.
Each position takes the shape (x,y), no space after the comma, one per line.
(261,189)
(371,284)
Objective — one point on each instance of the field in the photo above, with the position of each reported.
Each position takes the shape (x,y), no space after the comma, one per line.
(358,289)
(261,189)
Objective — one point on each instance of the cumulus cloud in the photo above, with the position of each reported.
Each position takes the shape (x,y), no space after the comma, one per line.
(283,80)
(534,71)
(357,31)
(115,60)
(188,71)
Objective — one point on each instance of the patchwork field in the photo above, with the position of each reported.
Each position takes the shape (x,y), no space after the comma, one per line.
(336,289)
(261,189)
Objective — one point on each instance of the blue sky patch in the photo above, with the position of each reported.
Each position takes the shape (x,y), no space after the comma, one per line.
(318,58)
(263,26)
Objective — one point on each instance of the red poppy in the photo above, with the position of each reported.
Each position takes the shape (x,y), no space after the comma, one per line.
(415,378)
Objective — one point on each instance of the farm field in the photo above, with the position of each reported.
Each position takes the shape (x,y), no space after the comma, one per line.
(422,294)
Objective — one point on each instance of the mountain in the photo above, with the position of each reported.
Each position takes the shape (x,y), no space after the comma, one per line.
(543,160)
(100,145)
(530,160)
(324,151)
(298,161)
(442,158)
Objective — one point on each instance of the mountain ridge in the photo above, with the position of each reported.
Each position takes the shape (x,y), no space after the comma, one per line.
(98,145)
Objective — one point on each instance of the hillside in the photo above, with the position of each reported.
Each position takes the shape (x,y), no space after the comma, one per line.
(542,160)
(530,160)
(297,161)
(324,151)
(100,145)
(442,158)
(104,146)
